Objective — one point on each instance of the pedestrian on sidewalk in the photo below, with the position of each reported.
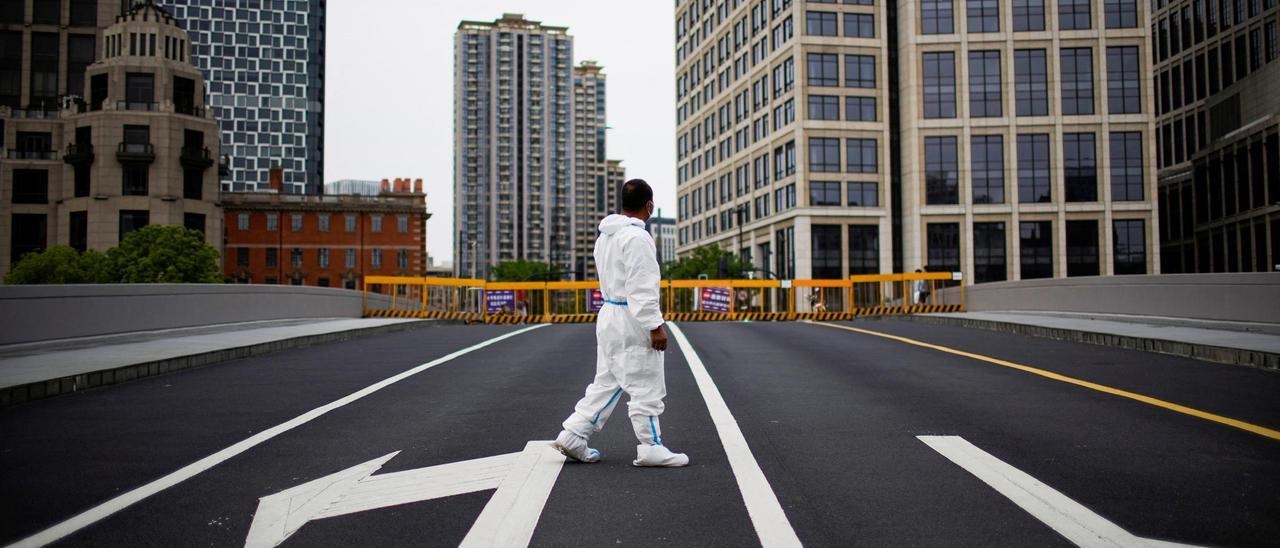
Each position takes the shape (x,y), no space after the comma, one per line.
(921,289)
(630,339)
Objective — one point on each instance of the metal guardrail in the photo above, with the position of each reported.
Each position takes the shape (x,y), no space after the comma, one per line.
(479,301)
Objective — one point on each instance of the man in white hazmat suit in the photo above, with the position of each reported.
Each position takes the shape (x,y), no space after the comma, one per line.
(630,338)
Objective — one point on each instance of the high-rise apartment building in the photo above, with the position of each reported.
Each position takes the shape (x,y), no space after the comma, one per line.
(1219,134)
(514,145)
(264,63)
(783,134)
(591,191)
(131,144)
(1004,139)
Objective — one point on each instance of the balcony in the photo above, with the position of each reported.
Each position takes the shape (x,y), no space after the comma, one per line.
(196,158)
(135,105)
(36,114)
(189,110)
(18,154)
(79,154)
(136,153)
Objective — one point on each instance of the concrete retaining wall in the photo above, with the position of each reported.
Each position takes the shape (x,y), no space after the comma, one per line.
(1253,297)
(41,312)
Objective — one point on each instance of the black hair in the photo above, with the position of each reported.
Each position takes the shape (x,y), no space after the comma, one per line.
(635,194)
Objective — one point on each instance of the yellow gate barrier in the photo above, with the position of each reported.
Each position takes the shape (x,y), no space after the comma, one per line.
(478,301)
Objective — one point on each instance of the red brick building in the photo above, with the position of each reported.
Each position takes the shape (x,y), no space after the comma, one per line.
(325,240)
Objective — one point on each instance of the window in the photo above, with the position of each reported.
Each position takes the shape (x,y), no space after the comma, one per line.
(941,170)
(987,161)
(194,221)
(943,245)
(983,15)
(323,221)
(859,25)
(823,193)
(860,71)
(81,52)
(820,23)
(1123,80)
(295,258)
(29,233)
(349,262)
(824,155)
(860,109)
(824,69)
(940,84)
(242,221)
(324,257)
(984,84)
(84,13)
(1082,248)
(402,259)
(1028,15)
(273,257)
(273,221)
(131,220)
(989,253)
(1077,81)
(864,249)
(827,252)
(11,61)
(861,155)
(134,179)
(863,194)
(375,258)
(295,222)
(1073,14)
(1034,179)
(350,223)
(1036,249)
(140,91)
(1130,242)
(1123,14)
(936,17)
(375,223)
(44,69)
(1126,166)
(30,186)
(402,224)
(78,222)
(1079,159)
(193,184)
(824,107)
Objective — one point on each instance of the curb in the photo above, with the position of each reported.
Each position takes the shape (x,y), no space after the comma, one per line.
(1218,354)
(22,393)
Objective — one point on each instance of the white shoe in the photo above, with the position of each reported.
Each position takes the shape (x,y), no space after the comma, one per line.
(575,447)
(658,455)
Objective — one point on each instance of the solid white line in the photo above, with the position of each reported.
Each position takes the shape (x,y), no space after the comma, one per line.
(513,510)
(770,522)
(93,515)
(1069,518)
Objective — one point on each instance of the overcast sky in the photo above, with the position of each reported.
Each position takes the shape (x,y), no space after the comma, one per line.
(389,89)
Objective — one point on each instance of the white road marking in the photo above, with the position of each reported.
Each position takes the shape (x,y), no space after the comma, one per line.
(771,523)
(523,481)
(1069,518)
(120,502)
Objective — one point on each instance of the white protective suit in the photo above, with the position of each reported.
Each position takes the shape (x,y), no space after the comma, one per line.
(627,261)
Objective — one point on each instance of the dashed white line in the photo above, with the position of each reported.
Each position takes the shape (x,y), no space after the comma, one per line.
(771,523)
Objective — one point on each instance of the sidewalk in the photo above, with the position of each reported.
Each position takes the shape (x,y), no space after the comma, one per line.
(1237,343)
(47,368)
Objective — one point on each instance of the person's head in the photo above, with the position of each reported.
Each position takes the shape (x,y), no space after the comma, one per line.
(918,270)
(637,199)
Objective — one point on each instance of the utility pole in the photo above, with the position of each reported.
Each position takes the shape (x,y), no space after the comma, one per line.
(740,211)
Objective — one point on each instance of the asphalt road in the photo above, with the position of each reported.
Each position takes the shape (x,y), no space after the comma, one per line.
(831,417)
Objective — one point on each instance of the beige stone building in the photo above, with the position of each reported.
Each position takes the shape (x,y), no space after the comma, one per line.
(783,139)
(135,146)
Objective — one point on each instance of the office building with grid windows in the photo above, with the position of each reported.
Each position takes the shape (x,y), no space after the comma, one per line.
(783,134)
(264,64)
(514,145)
(1218,134)
(1014,139)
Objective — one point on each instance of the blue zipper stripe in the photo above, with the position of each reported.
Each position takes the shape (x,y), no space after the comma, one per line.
(654,429)
(618,303)
(606,405)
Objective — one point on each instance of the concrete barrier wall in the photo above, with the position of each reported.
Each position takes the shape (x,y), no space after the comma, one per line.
(1253,297)
(41,312)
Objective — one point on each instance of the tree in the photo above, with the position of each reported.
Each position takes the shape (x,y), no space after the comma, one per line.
(520,271)
(708,260)
(59,264)
(164,254)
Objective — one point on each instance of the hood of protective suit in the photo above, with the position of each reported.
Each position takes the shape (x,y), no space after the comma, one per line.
(616,222)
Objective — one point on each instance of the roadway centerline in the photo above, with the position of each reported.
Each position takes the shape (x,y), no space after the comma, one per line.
(1177,408)
(770,522)
(120,502)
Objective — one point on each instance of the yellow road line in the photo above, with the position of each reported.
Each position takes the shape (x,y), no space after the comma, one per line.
(1259,430)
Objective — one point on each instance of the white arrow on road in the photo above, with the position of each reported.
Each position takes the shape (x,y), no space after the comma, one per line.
(523,481)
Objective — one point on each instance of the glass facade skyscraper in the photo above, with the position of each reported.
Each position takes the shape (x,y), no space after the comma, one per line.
(264,64)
